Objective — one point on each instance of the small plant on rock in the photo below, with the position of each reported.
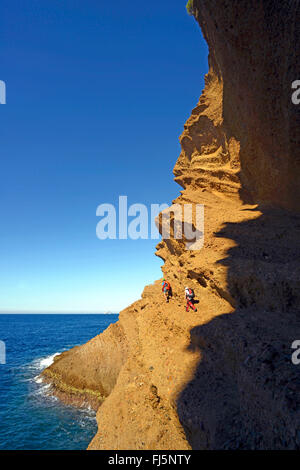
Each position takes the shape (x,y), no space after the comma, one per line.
(190,7)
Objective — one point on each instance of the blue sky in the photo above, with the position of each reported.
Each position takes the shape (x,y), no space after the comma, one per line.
(97,96)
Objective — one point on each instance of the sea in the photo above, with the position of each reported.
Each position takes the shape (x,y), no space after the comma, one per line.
(30,417)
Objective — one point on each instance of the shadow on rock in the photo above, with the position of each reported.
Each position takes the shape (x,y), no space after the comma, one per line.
(245,393)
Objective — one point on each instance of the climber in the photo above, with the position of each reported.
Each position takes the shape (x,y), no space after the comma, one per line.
(166,288)
(189,295)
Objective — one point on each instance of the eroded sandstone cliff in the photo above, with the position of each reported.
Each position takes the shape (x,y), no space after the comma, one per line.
(221,377)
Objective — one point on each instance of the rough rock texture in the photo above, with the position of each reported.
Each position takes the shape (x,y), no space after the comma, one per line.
(220,378)
(253,58)
(85,375)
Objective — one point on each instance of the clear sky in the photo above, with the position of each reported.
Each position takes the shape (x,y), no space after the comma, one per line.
(97,96)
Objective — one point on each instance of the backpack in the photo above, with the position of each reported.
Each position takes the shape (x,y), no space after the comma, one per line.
(191,293)
(167,285)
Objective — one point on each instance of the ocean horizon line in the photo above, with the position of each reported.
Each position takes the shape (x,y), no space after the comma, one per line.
(4,312)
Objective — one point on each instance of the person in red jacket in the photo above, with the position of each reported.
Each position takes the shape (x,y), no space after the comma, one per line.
(166,288)
(189,296)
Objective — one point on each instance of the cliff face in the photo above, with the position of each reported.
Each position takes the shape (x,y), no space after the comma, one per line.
(252,48)
(221,377)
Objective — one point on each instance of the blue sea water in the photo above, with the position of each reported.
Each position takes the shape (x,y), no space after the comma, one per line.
(30,418)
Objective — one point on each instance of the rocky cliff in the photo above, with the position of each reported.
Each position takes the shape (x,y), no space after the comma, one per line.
(221,377)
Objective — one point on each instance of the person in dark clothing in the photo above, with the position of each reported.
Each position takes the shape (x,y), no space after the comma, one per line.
(166,288)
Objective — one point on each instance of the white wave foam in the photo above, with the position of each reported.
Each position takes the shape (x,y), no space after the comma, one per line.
(47,361)
(42,390)
(38,379)
(38,365)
